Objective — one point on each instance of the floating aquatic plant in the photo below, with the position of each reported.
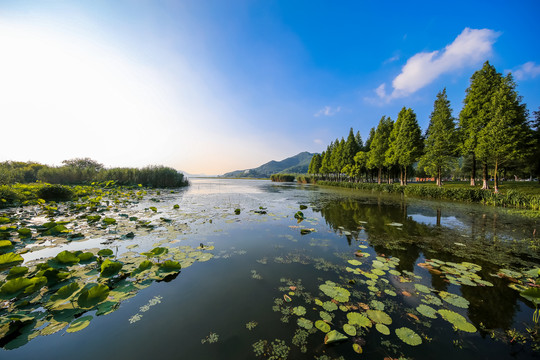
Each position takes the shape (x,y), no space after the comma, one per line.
(408,336)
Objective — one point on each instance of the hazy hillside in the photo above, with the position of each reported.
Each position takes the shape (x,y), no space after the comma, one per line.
(294,164)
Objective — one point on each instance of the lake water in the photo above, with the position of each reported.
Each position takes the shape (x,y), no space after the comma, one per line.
(268,288)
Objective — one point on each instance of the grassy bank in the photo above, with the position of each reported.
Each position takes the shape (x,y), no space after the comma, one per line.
(513,194)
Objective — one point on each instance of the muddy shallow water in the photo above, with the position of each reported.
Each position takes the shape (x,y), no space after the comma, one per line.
(274,285)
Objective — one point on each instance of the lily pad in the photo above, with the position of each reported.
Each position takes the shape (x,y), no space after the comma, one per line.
(79,324)
(532,294)
(323,326)
(427,311)
(358,319)
(329,306)
(334,336)
(379,317)
(454,299)
(305,323)
(422,288)
(299,310)
(110,268)
(383,329)
(337,293)
(93,295)
(408,336)
(349,329)
(10,259)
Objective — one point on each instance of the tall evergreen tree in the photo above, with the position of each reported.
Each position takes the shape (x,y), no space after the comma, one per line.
(507,136)
(476,113)
(315,164)
(535,158)
(441,139)
(350,149)
(379,146)
(359,141)
(405,143)
(367,144)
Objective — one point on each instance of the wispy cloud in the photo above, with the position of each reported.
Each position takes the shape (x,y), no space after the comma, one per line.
(392,59)
(529,70)
(470,47)
(327,111)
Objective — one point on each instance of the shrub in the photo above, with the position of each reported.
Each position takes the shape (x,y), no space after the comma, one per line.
(55,193)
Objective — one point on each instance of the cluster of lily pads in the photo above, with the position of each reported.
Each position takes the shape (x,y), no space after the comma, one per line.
(44,296)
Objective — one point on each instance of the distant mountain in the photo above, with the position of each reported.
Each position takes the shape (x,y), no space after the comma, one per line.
(297,164)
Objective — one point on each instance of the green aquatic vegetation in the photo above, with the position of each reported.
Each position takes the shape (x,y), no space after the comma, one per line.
(427,311)
(379,317)
(408,336)
(79,324)
(300,339)
(356,318)
(275,350)
(110,268)
(10,259)
(329,306)
(334,336)
(322,325)
(92,295)
(377,305)
(454,299)
(459,322)
(349,329)
(251,325)
(105,252)
(422,288)
(211,338)
(383,329)
(305,323)
(299,310)
(337,293)
(17,271)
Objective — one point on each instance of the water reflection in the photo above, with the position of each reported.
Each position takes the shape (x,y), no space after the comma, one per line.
(414,232)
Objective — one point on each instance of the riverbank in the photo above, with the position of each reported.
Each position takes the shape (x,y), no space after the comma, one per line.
(510,197)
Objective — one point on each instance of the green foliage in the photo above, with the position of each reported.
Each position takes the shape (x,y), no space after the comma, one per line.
(282,177)
(55,193)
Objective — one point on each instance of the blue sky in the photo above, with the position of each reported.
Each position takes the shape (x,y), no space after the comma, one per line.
(215,86)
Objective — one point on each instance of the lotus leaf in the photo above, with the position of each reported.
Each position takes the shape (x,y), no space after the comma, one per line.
(10,259)
(24,232)
(299,310)
(378,272)
(107,307)
(390,292)
(408,336)
(93,295)
(146,264)
(305,323)
(67,257)
(79,324)
(377,305)
(110,268)
(349,329)
(334,336)
(422,288)
(105,252)
(457,320)
(5,243)
(323,326)
(431,299)
(533,273)
(383,329)
(329,306)
(532,294)
(510,273)
(379,317)
(354,262)
(357,348)
(16,272)
(325,316)
(65,292)
(358,319)
(454,299)
(337,293)
(13,287)
(93,218)
(427,311)
(394,272)
(170,265)
(85,256)
(109,221)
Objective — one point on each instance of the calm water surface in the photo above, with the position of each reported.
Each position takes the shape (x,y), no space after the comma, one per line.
(260,253)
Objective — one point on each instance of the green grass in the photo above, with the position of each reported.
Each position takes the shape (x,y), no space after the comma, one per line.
(523,187)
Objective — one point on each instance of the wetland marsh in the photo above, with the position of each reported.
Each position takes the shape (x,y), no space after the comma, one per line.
(249,269)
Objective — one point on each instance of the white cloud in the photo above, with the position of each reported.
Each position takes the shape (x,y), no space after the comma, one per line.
(469,48)
(392,59)
(318,141)
(327,111)
(529,70)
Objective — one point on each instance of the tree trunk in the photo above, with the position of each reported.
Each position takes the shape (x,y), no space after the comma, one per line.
(473,171)
(485,185)
(495,184)
(379,176)
(405,176)
(401,175)
(439,182)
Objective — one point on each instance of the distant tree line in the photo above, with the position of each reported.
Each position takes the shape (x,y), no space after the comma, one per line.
(493,134)
(86,171)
